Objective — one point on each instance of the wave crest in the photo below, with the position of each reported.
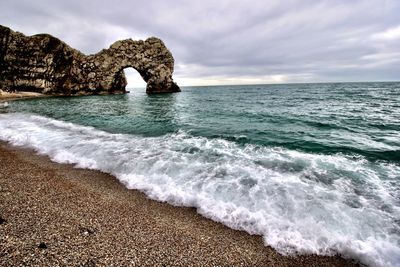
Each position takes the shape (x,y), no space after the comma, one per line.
(299,202)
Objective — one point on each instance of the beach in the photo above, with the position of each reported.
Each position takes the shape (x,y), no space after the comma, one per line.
(57,215)
(10,96)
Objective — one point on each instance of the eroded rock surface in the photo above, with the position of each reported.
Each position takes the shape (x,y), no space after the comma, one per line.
(45,64)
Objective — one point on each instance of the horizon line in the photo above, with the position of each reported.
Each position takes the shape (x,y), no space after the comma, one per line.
(248,84)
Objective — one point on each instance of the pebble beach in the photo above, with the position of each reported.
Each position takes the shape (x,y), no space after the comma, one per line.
(57,215)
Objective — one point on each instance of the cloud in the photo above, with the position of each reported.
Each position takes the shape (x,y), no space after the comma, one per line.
(388,35)
(234,41)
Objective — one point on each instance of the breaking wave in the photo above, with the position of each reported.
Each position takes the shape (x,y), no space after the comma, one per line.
(299,202)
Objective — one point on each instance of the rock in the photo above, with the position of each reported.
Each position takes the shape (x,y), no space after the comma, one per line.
(44,64)
(86,231)
(89,263)
(2,220)
(42,245)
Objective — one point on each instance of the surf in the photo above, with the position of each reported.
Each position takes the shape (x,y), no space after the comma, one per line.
(300,202)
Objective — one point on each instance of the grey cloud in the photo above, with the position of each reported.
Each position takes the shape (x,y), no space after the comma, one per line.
(328,40)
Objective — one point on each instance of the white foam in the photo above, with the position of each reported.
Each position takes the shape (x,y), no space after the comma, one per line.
(299,202)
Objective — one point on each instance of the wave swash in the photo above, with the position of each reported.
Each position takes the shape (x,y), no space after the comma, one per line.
(299,202)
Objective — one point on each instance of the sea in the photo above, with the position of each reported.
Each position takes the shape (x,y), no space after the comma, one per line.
(312,168)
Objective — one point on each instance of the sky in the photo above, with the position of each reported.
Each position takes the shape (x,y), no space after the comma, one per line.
(232,42)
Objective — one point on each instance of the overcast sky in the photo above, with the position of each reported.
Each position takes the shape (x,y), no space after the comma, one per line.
(233,42)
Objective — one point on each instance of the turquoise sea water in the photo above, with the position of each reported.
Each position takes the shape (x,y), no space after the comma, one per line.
(314,168)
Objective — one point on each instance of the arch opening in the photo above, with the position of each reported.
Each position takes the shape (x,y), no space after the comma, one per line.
(134,79)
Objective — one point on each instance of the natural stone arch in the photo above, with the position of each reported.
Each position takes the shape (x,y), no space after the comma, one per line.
(152,60)
(46,64)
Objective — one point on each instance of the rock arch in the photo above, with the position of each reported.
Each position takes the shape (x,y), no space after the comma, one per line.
(45,64)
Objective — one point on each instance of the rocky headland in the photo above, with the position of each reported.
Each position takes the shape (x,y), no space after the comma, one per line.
(44,64)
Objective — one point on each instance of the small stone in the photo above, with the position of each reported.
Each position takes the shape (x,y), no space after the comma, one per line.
(86,231)
(42,245)
(89,263)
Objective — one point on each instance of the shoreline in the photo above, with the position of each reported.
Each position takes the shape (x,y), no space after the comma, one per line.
(55,214)
(6,96)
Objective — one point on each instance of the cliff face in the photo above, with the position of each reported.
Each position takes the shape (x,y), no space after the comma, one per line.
(45,64)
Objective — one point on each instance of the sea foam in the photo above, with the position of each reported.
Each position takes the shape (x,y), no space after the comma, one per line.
(299,202)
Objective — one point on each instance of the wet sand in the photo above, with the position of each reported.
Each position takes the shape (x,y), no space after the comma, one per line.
(56,215)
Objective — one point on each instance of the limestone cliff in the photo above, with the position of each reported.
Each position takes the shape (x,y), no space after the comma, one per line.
(45,64)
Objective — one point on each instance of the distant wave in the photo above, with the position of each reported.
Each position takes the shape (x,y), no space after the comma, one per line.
(299,202)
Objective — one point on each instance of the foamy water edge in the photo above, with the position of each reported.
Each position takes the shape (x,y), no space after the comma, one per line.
(277,193)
